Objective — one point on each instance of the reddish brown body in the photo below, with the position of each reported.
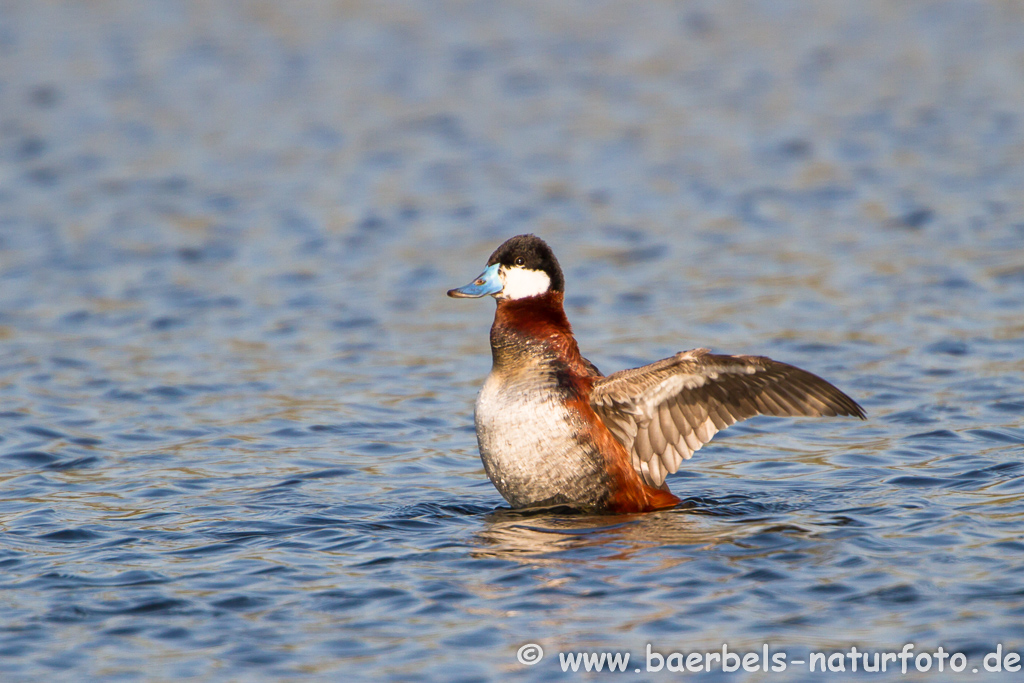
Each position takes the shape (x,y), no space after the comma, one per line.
(542,321)
(552,430)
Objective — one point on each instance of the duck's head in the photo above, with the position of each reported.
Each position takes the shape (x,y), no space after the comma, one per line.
(523,266)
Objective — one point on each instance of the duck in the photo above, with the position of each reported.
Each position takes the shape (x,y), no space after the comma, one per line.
(553,431)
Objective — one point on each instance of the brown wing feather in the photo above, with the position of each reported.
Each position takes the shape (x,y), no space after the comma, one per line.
(665,411)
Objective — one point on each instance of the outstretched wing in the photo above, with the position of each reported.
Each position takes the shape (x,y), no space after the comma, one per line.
(665,411)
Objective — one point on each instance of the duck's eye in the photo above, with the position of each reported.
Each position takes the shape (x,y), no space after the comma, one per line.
(520,261)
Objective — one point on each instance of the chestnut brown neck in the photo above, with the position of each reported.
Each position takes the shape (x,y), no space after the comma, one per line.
(539,315)
(535,327)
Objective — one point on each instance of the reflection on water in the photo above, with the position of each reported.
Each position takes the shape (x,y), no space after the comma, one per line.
(513,535)
(236,436)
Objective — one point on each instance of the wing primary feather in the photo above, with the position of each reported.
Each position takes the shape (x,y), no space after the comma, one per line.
(789,403)
(658,441)
(818,392)
(668,426)
(706,430)
(810,394)
(690,435)
(716,416)
(642,444)
(766,406)
(657,475)
(676,411)
(672,459)
(812,397)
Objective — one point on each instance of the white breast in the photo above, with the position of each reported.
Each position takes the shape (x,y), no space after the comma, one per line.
(528,443)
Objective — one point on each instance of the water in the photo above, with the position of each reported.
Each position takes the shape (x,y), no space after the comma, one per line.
(236,432)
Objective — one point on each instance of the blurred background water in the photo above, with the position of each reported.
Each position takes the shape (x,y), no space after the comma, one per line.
(236,432)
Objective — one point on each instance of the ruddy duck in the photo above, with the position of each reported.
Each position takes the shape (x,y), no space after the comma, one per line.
(553,430)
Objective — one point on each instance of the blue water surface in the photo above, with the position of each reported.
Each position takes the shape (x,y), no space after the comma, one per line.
(236,437)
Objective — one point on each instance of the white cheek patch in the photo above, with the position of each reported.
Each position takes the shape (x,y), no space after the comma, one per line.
(522,282)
